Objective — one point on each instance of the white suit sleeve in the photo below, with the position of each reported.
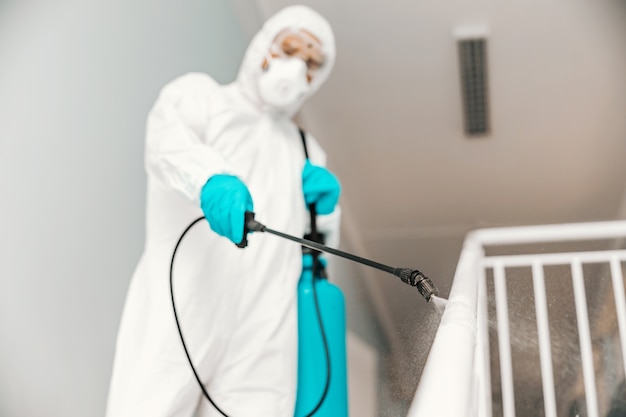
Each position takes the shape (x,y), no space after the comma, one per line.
(176,153)
(328,224)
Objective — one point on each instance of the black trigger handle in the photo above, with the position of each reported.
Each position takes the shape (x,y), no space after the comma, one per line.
(249,216)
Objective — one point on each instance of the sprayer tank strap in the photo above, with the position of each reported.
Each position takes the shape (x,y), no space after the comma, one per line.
(303,136)
(313,212)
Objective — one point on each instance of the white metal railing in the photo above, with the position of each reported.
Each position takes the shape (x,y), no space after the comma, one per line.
(456,378)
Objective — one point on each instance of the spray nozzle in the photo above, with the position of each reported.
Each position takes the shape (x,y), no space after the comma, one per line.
(415,278)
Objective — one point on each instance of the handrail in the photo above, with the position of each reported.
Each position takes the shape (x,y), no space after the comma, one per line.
(455,380)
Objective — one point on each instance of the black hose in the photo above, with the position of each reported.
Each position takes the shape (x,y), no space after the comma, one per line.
(180,332)
(318,312)
(182,339)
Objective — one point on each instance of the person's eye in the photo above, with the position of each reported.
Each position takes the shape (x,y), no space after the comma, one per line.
(312,64)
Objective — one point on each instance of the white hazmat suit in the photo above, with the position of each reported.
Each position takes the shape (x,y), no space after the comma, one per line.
(237,307)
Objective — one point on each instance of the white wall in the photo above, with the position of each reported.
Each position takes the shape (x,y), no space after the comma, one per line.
(77,79)
(363,362)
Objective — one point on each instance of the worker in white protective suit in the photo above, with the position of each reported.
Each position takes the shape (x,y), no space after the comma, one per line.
(218,151)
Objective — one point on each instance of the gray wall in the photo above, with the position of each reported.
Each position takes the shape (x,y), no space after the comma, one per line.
(77,79)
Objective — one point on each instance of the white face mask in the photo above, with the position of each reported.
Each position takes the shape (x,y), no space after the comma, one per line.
(284,82)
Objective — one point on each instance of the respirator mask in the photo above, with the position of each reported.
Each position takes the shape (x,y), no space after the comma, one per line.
(284,82)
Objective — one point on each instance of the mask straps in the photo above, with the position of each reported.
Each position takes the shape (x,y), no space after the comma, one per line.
(270,55)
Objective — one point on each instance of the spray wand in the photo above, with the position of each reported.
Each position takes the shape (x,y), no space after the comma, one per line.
(412,277)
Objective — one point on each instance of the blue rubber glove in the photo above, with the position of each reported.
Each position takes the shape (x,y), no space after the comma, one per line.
(320,186)
(224,200)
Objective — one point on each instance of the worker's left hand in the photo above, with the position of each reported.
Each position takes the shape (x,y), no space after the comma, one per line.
(320,186)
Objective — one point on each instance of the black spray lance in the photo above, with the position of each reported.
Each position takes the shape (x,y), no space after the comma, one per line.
(413,277)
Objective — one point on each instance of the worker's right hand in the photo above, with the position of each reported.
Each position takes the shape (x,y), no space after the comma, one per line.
(224,200)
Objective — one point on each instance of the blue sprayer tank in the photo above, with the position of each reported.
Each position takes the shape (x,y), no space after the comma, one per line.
(312,364)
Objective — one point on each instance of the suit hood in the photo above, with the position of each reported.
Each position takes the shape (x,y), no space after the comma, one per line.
(296,18)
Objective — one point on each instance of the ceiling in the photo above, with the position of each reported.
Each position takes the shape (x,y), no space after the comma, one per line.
(390,118)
